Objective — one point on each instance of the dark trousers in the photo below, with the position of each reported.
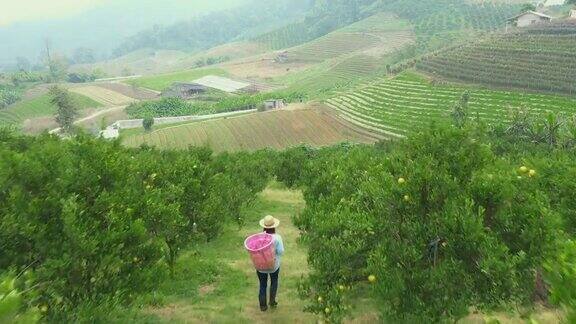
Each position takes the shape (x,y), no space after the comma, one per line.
(263,277)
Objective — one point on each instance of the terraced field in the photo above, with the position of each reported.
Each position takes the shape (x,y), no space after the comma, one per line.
(276,129)
(103,95)
(349,55)
(39,107)
(288,36)
(440,22)
(330,77)
(539,58)
(406,104)
(377,35)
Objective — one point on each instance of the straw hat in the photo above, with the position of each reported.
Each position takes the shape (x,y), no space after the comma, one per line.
(269,222)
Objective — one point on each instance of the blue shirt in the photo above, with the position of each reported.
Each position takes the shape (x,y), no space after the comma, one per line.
(279,245)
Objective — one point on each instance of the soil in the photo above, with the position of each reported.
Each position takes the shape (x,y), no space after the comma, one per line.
(129,91)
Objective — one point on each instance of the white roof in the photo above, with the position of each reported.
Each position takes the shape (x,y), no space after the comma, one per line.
(221,83)
(110,133)
(530,12)
(549,3)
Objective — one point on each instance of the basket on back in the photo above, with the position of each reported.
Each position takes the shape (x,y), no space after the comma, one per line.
(262,251)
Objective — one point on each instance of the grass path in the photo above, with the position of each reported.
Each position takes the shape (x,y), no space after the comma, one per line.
(218,284)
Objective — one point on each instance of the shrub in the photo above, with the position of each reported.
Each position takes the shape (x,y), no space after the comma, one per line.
(147,123)
(441,222)
(173,106)
(561,274)
(8,96)
(99,223)
(12,306)
(81,77)
(28,77)
(166,107)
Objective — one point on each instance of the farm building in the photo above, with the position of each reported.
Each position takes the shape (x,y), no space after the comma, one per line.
(184,90)
(573,14)
(224,84)
(274,104)
(529,18)
(281,57)
(110,133)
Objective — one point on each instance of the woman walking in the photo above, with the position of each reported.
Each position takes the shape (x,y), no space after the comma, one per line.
(269,224)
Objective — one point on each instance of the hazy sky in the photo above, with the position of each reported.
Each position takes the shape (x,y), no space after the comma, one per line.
(98,24)
(29,10)
(13,11)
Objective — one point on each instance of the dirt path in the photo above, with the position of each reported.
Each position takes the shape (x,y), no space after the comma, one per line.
(92,116)
(232,296)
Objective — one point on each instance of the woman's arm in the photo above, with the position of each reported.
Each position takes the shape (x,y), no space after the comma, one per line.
(279,245)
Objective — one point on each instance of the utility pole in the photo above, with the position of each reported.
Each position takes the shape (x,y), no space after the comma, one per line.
(47,43)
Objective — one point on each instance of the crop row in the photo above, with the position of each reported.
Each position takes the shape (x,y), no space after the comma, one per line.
(523,59)
(335,45)
(275,129)
(443,19)
(401,107)
(285,37)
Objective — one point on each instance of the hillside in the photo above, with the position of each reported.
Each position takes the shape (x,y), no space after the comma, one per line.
(408,103)
(536,58)
(151,61)
(376,36)
(440,22)
(416,158)
(345,56)
(435,23)
(348,54)
(275,129)
(38,107)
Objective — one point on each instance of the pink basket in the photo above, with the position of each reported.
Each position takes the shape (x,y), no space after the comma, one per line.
(262,251)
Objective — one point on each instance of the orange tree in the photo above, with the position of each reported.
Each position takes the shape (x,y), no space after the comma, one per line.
(434,225)
(99,223)
(561,274)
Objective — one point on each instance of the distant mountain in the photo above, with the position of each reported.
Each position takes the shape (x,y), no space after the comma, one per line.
(102,28)
(199,33)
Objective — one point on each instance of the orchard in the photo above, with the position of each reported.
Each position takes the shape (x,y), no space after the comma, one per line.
(436,225)
(96,223)
(428,228)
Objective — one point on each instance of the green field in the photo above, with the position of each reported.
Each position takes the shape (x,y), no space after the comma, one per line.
(440,22)
(378,35)
(162,81)
(39,107)
(538,58)
(349,55)
(284,37)
(323,80)
(276,129)
(408,103)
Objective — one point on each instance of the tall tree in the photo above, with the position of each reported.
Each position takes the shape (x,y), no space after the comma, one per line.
(528,7)
(460,110)
(67,110)
(57,65)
